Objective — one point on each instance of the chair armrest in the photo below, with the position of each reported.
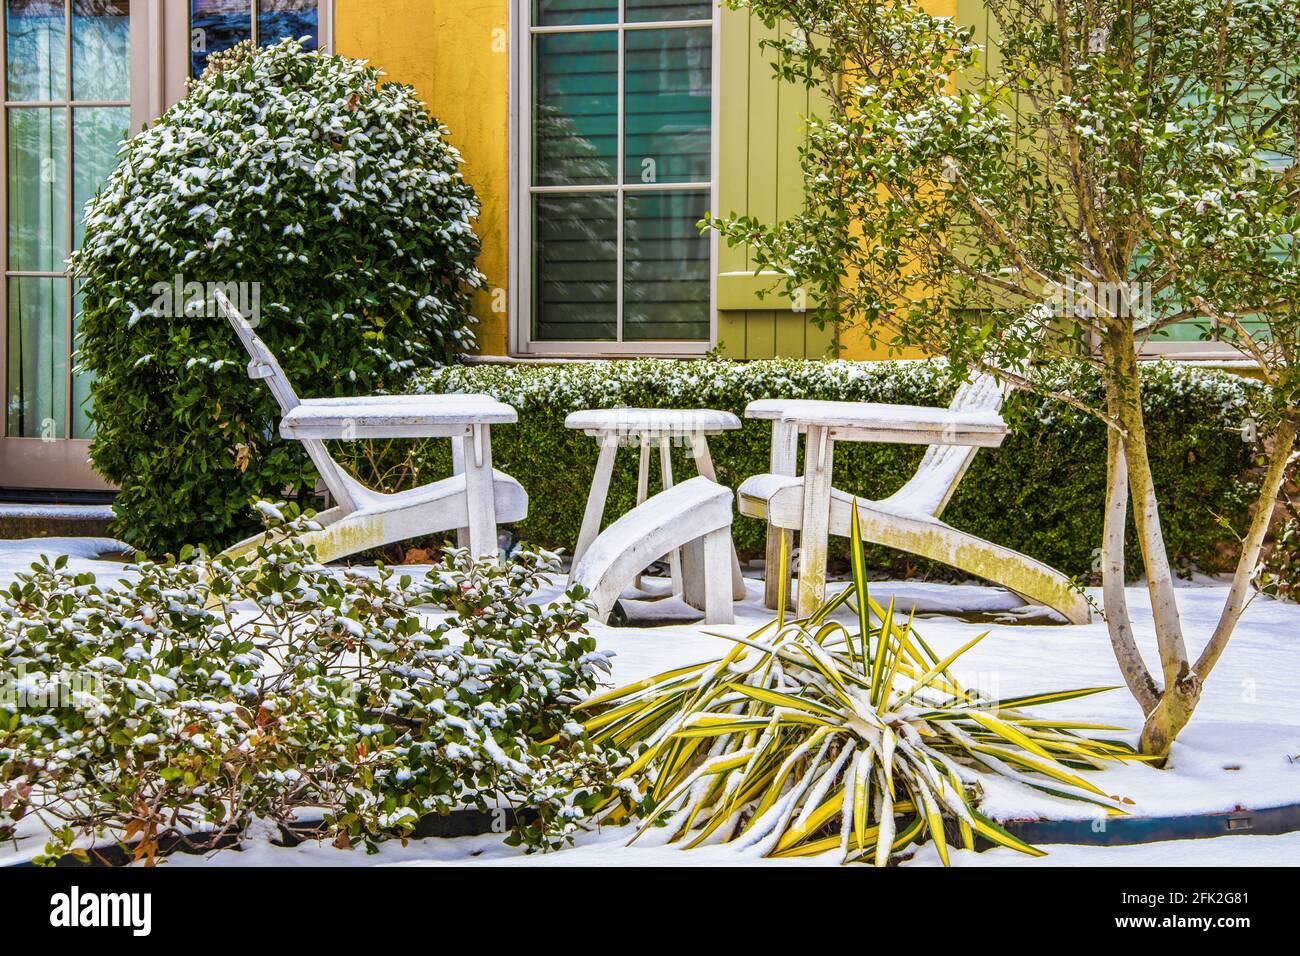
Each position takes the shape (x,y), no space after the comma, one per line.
(393,416)
(898,424)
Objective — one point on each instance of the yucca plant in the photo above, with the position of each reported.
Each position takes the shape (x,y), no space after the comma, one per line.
(808,738)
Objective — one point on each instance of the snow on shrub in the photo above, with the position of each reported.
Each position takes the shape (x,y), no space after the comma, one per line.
(201,697)
(332,209)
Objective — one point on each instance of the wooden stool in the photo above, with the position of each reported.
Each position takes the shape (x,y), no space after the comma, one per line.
(643,428)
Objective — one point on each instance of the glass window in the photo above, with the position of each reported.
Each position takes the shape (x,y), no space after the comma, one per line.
(563,13)
(575,109)
(621,170)
(36,67)
(101,49)
(667,106)
(68,111)
(658,11)
(217,25)
(665,266)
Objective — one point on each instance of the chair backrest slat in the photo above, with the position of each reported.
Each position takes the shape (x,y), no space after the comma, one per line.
(265,366)
(943,466)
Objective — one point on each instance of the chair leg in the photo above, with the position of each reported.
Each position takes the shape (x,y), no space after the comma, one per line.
(642,489)
(480,495)
(458,468)
(666,472)
(814,538)
(718,553)
(704,466)
(784,461)
(596,499)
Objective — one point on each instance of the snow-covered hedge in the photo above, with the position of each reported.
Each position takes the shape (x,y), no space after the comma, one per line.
(1041,492)
(200,698)
(332,210)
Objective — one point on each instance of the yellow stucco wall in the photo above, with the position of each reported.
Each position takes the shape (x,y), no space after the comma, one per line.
(456,54)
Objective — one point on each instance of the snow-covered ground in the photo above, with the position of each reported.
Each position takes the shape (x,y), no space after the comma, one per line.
(1242,749)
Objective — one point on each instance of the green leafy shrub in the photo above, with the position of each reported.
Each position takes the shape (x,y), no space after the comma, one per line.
(1280,575)
(200,696)
(1041,492)
(332,209)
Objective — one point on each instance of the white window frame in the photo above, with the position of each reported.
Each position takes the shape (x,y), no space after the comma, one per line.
(520,341)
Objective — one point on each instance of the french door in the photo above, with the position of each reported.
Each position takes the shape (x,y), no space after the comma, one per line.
(77,77)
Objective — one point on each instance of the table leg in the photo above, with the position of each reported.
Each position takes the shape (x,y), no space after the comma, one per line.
(458,468)
(815,534)
(784,461)
(480,495)
(643,487)
(704,466)
(595,512)
(666,472)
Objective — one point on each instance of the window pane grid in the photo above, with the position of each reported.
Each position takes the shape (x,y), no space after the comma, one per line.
(659,186)
(67,106)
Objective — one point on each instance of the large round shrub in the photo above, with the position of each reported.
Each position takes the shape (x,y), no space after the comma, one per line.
(342,200)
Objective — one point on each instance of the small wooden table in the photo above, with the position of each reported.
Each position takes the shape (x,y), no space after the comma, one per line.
(823,423)
(614,428)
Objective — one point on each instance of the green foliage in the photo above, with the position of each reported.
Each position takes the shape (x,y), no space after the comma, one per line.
(813,736)
(334,208)
(201,696)
(1041,493)
(1280,575)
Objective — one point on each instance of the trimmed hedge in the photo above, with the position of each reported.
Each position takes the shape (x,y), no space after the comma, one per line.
(1040,493)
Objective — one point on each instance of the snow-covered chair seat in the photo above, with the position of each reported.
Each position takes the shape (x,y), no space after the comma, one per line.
(909,519)
(471,502)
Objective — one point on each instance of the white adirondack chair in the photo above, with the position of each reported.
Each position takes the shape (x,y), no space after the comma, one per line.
(470,502)
(909,519)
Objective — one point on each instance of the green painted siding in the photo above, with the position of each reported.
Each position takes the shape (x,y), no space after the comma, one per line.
(760,132)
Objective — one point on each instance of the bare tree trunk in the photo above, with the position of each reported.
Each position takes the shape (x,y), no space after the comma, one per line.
(1179,700)
(1182,689)
(1131,665)
(1284,441)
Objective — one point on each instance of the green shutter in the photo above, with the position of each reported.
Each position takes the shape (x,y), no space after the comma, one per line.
(760,133)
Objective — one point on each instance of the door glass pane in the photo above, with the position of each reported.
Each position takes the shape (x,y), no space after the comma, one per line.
(563,13)
(280,19)
(96,134)
(575,112)
(665,266)
(217,25)
(101,49)
(659,11)
(82,427)
(38,189)
(37,396)
(34,48)
(575,267)
(669,106)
